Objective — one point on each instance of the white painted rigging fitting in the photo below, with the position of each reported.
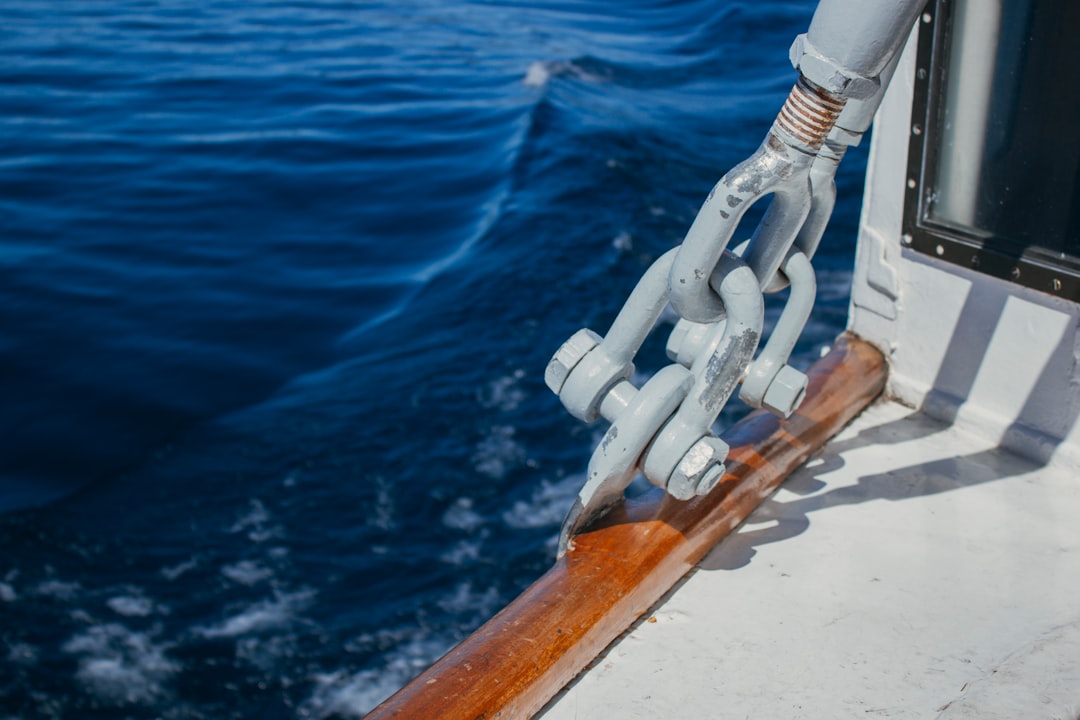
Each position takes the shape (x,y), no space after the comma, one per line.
(664,429)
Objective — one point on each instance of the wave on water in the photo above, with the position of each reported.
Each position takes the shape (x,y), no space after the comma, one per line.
(119,666)
(346,694)
(279,283)
(269,614)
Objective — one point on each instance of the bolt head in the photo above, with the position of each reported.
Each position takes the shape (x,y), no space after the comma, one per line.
(568,356)
(699,463)
(786,392)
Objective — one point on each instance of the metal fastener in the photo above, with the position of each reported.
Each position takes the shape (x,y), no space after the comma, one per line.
(568,356)
(786,392)
(704,455)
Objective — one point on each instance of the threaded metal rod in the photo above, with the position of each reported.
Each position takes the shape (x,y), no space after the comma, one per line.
(808,115)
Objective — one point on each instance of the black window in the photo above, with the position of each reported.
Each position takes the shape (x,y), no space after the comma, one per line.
(994,157)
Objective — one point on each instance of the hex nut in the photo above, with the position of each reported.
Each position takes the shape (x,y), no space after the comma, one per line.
(696,465)
(568,356)
(786,392)
(826,73)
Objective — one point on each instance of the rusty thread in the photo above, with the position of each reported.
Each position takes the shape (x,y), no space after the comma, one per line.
(809,113)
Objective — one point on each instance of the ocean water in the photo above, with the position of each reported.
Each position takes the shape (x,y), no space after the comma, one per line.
(278,283)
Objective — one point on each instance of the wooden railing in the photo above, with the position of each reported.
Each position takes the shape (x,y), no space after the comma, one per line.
(517,661)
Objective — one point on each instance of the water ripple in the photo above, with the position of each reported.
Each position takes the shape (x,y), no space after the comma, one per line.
(278,281)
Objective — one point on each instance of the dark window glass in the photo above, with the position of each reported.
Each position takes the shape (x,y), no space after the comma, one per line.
(1000,169)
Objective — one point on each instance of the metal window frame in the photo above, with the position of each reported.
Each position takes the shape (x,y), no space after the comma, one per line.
(1035,267)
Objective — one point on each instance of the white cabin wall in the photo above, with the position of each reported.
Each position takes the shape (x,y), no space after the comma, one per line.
(996,358)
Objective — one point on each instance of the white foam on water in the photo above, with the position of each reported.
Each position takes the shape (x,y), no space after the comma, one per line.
(247,572)
(465,599)
(540,73)
(81,616)
(537,75)
(121,666)
(174,571)
(497,453)
(264,615)
(548,504)
(504,393)
(261,535)
(255,523)
(58,589)
(130,605)
(256,516)
(266,653)
(382,514)
(340,694)
(7,593)
(352,694)
(623,242)
(380,639)
(461,516)
(22,654)
(462,552)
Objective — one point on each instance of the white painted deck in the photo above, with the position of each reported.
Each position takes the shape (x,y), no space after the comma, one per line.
(913,570)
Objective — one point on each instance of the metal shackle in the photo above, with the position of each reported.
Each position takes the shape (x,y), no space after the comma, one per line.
(673,460)
(582,375)
(616,459)
(775,169)
(770,382)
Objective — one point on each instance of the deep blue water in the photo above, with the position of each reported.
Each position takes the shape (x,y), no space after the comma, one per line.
(278,282)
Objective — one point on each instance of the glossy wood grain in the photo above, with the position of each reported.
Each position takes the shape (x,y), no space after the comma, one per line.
(614,573)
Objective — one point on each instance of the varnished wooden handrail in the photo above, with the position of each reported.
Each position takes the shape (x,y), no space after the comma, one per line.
(523,656)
